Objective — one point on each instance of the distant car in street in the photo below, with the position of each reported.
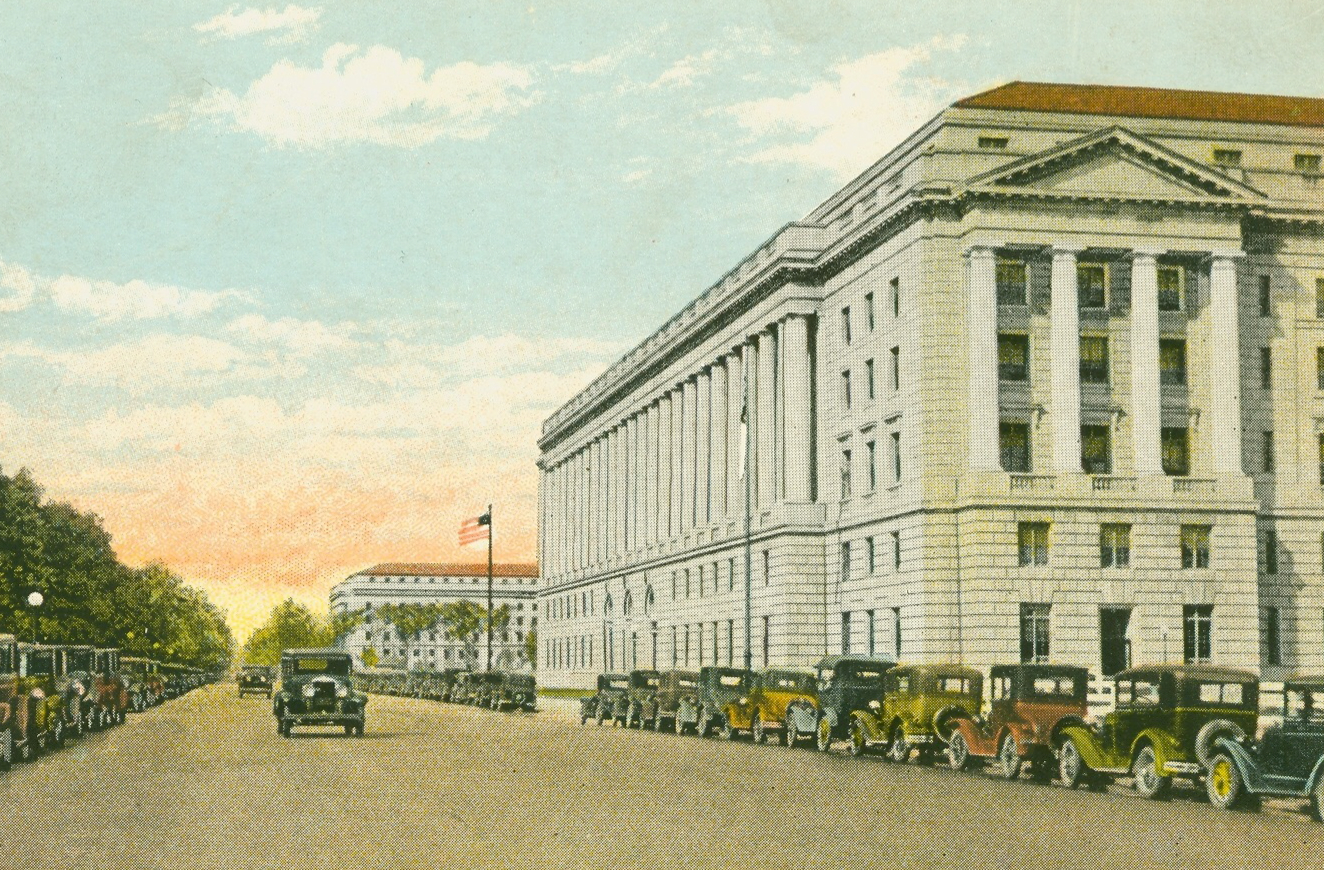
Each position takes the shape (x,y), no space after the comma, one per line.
(316,689)
(256,680)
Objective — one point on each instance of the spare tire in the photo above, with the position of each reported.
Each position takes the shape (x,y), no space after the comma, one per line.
(1205,750)
(944,721)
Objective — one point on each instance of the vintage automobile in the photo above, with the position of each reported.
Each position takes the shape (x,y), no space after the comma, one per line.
(483,687)
(447,681)
(844,683)
(642,697)
(464,685)
(723,699)
(516,692)
(110,691)
(1029,705)
(781,696)
(11,701)
(1167,721)
(77,685)
(316,689)
(256,680)
(1287,761)
(612,700)
(143,682)
(918,710)
(38,676)
(674,690)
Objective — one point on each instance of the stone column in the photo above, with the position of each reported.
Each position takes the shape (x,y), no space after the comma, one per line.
(702,445)
(735,382)
(1064,358)
(652,497)
(982,313)
(1225,364)
(719,420)
(665,460)
(766,451)
(796,400)
(1146,412)
(688,454)
(596,515)
(677,458)
(629,483)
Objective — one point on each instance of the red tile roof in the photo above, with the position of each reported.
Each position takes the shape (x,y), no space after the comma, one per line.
(452,569)
(1149,103)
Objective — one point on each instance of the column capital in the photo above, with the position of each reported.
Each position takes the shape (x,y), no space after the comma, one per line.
(1072,251)
(1147,253)
(982,251)
(1226,257)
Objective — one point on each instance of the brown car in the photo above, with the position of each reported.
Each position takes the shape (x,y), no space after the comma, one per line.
(1030,705)
(675,689)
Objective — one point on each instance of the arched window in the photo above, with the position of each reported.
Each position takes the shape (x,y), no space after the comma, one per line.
(648,600)
(629,603)
(607,607)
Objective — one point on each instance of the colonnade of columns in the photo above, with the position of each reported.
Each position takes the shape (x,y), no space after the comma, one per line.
(675,465)
(1224,413)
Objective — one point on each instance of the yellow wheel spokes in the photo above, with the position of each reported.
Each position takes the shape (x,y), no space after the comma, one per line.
(1221,777)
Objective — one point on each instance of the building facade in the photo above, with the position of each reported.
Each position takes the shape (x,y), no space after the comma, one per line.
(1044,383)
(515,585)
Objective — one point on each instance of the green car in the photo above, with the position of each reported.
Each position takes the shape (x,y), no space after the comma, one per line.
(1167,722)
(918,710)
(316,689)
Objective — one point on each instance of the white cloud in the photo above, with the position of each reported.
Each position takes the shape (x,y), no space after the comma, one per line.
(422,366)
(610,61)
(295,21)
(105,300)
(299,337)
(375,95)
(20,287)
(852,118)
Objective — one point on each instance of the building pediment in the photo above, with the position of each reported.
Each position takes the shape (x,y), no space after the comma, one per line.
(1114,164)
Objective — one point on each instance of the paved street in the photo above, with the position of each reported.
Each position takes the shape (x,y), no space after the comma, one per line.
(205,782)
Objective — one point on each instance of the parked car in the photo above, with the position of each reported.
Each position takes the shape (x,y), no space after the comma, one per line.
(844,683)
(1288,761)
(37,680)
(1029,705)
(483,687)
(11,701)
(1166,723)
(316,689)
(918,710)
(781,695)
(446,681)
(516,692)
(256,680)
(143,682)
(612,700)
(642,696)
(77,684)
(110,690)
(723,699)
(672,687)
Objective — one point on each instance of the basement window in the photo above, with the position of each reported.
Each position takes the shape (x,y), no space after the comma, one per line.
(1307,163)
(993,143)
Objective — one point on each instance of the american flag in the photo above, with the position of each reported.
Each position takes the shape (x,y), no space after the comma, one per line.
(476,529)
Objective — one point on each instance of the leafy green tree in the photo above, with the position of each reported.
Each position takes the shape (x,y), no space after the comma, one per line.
(462,621)
(410,620)
(531,648)
(370,658)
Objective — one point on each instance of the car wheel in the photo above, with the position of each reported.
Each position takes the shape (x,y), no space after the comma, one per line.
(859,741)
(958,752)
(657,721)
(898,749)
(678,724)
(57,731)
(600,716)
(1145,778)
(705,726)
(1205,747)
(756,730)
(1317,800)
(726,731)
(6,749)
(823,736)
(358,728)
(1010,758)
(1223,783)
(789,734)
(349,729)
(1071,768)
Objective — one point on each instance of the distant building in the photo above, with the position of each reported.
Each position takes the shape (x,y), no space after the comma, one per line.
(438,583)
(1046,382)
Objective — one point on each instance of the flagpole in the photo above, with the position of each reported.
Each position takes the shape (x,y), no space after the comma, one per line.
(489,587)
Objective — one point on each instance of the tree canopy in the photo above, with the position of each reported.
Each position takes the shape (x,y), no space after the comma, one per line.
(293,625)
(90,597)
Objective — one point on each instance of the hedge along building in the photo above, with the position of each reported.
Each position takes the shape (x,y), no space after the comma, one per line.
(1044,383)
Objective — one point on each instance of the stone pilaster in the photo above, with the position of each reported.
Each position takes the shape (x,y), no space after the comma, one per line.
(1064,359)
(1225,364)
(982,311)
(1146,412)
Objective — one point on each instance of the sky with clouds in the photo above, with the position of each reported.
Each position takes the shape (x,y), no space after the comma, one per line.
(287,290)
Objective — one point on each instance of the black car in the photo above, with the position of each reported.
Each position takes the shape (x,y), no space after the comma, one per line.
(845,683)
(256,680)
(719,687)
(316,689)
(642,697)
(516,692)
(1288,761)
(612,700)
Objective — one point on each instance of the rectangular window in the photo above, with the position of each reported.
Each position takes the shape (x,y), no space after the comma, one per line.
(896,551)
(845,561)
(993,143)
(896,631)
(868,309)
(1014,447)
(869,549)
(845,474)
(1307,163)
(845,632)
(767,567)
(1093,359)
(730,575)
(845,324)
(896,456)
(1271,637)
(767,638)
(687,582)
(1266,368)
(1114,545)
(895,286)
(1172,361)
(1032,540)
(1091,285)
(1195,546)
(1011,277)
(845,389)
(868,378)
(1228,158)
(1013,357)
(1267,459)
(1266,296)
(1319,298)
(1115,647)
(872,448)
(896,369)
(1198,633)
(869,627)
(1096,449)
(1169,288)
(1176,449)
(1321,460)
(1034,632)
(1270,552)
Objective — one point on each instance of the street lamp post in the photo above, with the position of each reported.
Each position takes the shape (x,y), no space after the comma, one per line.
(35,600)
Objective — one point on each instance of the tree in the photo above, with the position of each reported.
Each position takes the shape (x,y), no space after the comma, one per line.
(531,648)
(462,621)
(410,620)
(369,657)
(292,625)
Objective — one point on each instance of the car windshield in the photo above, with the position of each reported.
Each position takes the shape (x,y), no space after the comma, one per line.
(731,680)
(686,684)
(80,660)
(41,664)
(320,665)
(953,685)
(618,684)
(1223,694)
(1303,704)
(1063,687)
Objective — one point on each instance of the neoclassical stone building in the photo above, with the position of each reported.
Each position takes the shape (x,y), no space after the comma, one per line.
(1045,382)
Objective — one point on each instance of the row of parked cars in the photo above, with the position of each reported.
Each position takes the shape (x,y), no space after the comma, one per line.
(50,692)
(498,690)
(1197,723)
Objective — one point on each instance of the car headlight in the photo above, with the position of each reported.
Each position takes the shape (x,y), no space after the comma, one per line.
(38,694)
(744,701)
(342,692)
(874,705)
(79,689)
(309,691)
